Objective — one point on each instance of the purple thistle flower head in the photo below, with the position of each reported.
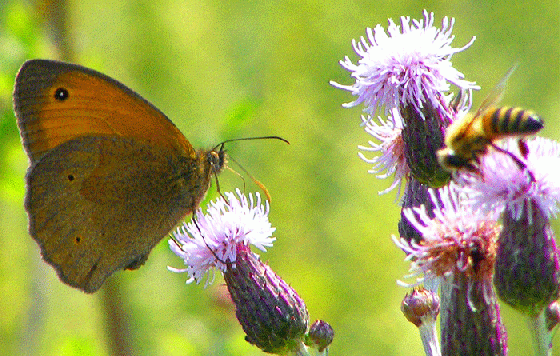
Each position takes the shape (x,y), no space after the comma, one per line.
(527,270)
(272,314)
(392,159)
(408,70)
(408,66)
(503,185)
(211,241)
(521,181)
(457,240)
(458,247)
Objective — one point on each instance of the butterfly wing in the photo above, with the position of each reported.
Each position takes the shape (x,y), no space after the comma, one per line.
(110,175)
(56,102)
(92,217)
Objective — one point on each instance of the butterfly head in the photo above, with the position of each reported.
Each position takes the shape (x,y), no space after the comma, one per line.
(217,158)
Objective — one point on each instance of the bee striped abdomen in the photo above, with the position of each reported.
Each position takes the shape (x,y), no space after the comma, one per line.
(510,121)
(468,138)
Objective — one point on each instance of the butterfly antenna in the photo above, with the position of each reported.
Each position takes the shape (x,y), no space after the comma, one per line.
(256,181)
(253,138)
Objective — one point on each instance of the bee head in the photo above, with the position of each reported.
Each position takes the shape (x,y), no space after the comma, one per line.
(452,162)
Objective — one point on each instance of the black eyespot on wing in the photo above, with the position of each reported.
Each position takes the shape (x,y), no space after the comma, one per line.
(61,94)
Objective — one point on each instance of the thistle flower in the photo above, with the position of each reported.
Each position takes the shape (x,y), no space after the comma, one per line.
(456,240)
(410,65)
(392,159)
(503,185)
(273,316)
(410,71)
(210,242)
(458,246)
(527,264)
(527,275)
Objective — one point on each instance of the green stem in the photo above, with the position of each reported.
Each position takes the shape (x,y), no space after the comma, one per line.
(303,351)
(542,340)
(428,334)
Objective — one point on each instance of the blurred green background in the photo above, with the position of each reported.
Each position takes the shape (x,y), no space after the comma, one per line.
(226,69)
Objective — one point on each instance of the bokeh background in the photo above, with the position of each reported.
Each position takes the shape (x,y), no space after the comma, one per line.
(227,69)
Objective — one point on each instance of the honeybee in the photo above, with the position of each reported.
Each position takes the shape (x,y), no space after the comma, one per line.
(468,138)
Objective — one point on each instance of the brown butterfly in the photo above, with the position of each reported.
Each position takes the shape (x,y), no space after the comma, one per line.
(110,175)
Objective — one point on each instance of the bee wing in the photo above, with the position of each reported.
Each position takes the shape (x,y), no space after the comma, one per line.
(497,93)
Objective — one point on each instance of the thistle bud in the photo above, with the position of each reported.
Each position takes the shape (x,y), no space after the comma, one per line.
(320,335)
(527,273)
(423,135)
(420,306)
(271,313)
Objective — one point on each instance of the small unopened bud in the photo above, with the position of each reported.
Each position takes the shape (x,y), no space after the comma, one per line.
(420,306)
(320,335)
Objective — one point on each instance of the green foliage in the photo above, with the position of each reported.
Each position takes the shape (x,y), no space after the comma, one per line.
(222,70)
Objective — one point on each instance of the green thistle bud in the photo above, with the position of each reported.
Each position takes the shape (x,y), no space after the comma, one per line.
(423,135)
(527,273)
(271,313)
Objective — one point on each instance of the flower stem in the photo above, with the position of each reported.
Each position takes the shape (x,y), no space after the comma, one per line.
(428,334)
(303,351)
(542,340)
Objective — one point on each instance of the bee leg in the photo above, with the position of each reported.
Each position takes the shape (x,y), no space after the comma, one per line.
(472,168)
(523,148)
(524,151)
